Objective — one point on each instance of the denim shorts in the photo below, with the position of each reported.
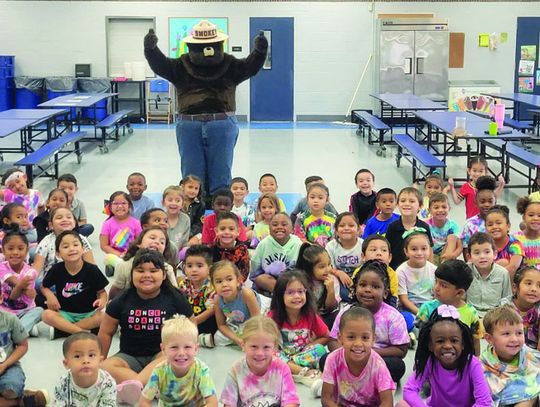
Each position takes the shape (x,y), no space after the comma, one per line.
(13,380)
(75,317)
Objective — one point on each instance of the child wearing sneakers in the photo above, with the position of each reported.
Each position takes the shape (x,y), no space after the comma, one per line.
(68,183)
(511,369)
(85,384)
(14,344)
(182,379)
(452,280)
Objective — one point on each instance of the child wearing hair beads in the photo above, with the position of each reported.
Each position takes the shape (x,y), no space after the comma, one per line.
(452,280)
(267,207)
(178,221)
(354,375)
(417,275)
(409,203)
(182,379)
(260,378)
(17,191)
(119,229)
(303,332)
(509,249)
(445,359)
(391,342)
(234,305)
(316,225)
(512,370)
(530,235)
(476,169)
(526,301)
(193,206)
(315,262)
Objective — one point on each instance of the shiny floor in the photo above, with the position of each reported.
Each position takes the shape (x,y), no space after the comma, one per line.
(291,152)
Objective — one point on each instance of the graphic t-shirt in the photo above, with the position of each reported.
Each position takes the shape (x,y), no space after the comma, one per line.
(274,388)
(24,301)
(200,299)
(440,234)
(120,234)
(76,293)
(140,320)
(101,394)
(346,260)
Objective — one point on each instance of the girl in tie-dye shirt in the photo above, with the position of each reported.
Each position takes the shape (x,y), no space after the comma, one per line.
(260,378)
(530,235)
(316,225)
(119,229)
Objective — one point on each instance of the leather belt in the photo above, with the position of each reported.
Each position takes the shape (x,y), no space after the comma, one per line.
(206,117)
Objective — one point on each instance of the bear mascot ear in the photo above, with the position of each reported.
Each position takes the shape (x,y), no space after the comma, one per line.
(206,54)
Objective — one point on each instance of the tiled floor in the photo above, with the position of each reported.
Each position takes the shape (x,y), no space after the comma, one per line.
(291,152)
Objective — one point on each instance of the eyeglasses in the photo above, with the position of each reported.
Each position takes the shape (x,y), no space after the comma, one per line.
(120,204)
(300,291)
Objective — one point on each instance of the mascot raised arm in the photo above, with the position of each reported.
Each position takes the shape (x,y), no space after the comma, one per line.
(205,79)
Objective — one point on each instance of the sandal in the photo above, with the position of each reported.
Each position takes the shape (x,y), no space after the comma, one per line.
(307,376)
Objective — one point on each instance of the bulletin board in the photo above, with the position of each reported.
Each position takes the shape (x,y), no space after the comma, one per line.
(182,27)
(527,69)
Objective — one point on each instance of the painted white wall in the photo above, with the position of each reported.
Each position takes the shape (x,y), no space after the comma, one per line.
(333,40)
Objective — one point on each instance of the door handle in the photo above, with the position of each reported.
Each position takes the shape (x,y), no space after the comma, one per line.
(409,71)
(420,66)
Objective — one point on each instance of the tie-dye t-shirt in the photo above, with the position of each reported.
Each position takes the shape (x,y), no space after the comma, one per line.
(361,390)
(513,247)
(31,201)
(315,229)
(120,234)
(190,390)
(511,383)
(531,322)
(390,327)
(274,388)
(531,248)
(416,283)
(440,234)
(472,225)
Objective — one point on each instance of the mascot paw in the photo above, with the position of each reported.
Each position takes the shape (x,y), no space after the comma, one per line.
(150,40)
(261,43)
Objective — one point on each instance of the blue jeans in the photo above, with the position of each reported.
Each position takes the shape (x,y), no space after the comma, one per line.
(13,380)
(206,150)
(30,317)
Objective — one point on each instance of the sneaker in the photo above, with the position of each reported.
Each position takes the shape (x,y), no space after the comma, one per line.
(56,333)
(307,379)
(35,398)
(412,340)
(34,331)
(206,340)
(316,388)
(129,392)
(109,271)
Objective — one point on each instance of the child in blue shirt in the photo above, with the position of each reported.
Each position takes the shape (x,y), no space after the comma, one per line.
(385,202)
(444,232)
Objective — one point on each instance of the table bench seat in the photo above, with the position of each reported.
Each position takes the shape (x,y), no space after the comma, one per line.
(115,121)
(371,123)
(418,156)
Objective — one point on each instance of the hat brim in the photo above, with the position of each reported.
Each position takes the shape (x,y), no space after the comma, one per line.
(220,37)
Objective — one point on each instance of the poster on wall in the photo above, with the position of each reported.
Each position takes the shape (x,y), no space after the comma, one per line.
(526,68)
(181,27)
(528,52)
(538,77)
(526,85)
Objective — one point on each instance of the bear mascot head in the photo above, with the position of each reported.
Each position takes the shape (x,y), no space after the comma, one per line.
(206,45)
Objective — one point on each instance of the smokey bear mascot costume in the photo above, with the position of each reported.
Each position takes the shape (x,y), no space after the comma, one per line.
(205,79)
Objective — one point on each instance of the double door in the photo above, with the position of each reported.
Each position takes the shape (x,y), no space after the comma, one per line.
(414,62)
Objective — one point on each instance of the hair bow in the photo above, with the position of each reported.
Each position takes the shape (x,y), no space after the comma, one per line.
(412,231)
(448,311)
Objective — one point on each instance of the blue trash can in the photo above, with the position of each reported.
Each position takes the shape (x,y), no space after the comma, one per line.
(28,92)
(6,94)
(95,85)
(59,86)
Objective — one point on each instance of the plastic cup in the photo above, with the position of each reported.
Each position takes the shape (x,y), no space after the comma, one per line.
(492,128)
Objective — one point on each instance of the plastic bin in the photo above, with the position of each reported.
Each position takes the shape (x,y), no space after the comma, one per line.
(95,85)
(7,71)
(28,92)
(6,99)
(7,60)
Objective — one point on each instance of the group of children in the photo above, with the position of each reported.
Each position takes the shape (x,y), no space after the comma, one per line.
(330,300)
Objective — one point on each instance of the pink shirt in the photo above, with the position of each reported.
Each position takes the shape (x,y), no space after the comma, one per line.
(120,234)
(351,390)
(24,301)
(275,387)
(468,193)
(390,327)
(209,230)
